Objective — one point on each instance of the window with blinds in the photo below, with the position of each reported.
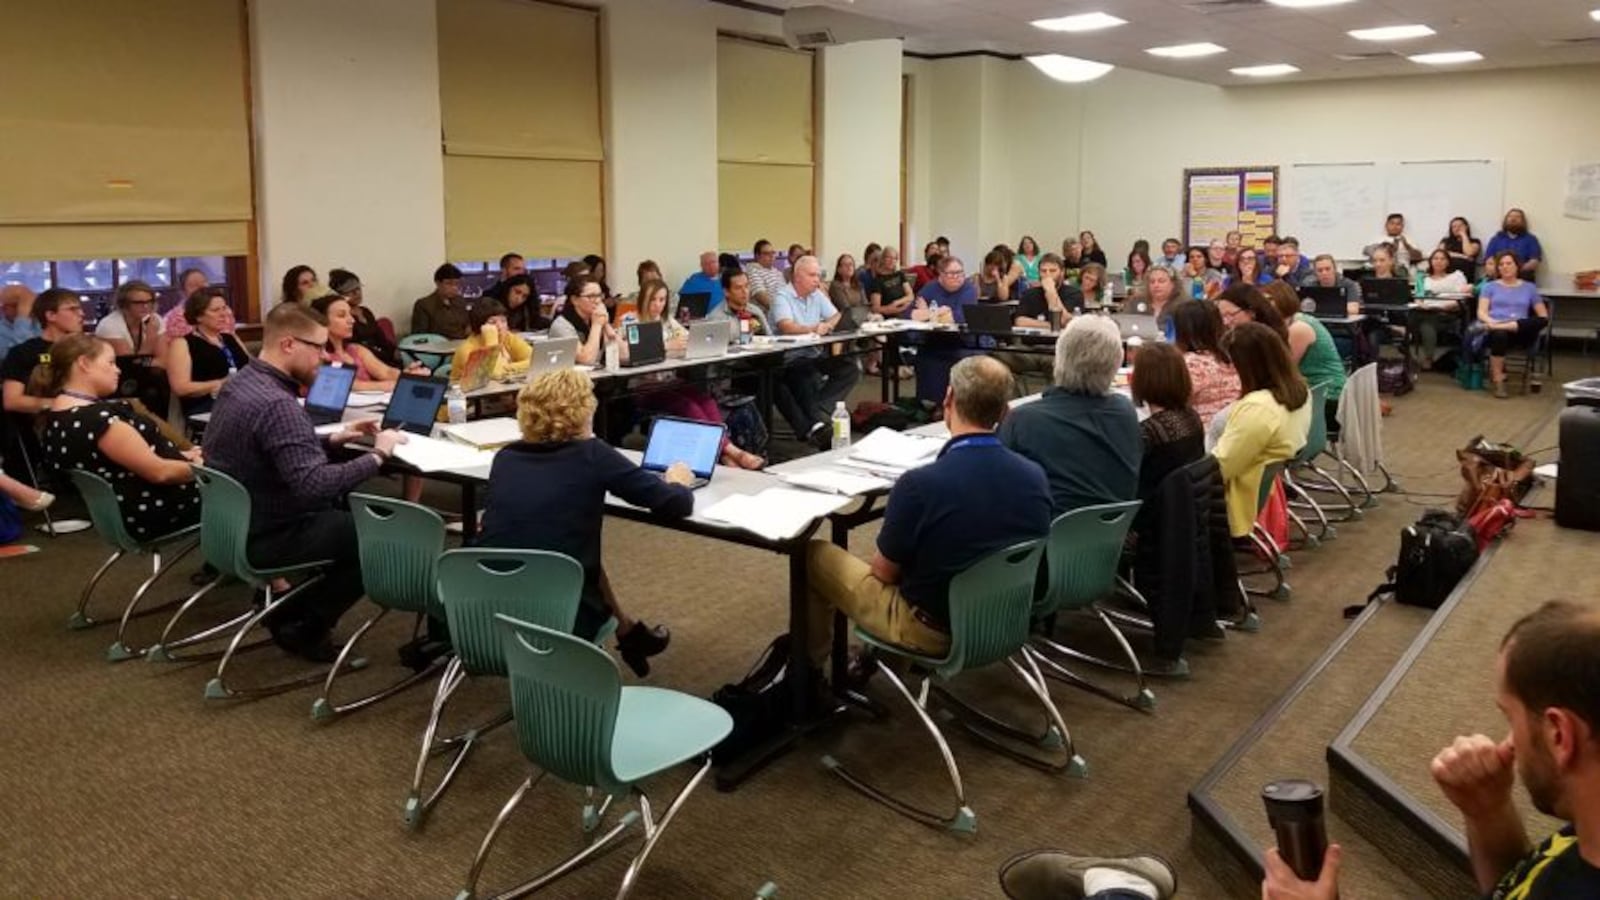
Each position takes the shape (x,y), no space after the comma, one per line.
(765,145)
(125,130)
(519,92)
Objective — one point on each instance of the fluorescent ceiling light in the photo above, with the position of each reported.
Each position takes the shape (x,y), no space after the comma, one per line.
(1391,33)
(1270,70)
(1305,4)
(1187,51)
(1449,57)
(1087,22)
(1069,68)
(1594,14)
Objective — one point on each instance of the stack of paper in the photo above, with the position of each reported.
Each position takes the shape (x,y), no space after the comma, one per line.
(832,481)
(434,455)
(485,434)
(775,513)
(368,398)
(896,449)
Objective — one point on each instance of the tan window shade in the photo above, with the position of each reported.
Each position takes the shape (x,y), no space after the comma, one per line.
(519,93)
(520,79)
(536,206)
(105,129)
(757,201)
(763,103)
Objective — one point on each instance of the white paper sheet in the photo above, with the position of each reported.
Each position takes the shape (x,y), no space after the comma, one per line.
(1548,470)
(775,513)
(833,481)
(362,399)
(486,433)
(888,447)
(433,454)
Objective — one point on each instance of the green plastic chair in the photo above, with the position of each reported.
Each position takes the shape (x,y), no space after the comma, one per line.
(1263,545)
(106,514)
(224,537)
(1081,559)
(576,721)
(400,543)
(1341,505)
(475,585)
(991,607)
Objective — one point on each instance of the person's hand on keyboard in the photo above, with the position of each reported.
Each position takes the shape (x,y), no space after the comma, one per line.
(385,442)
(679,473)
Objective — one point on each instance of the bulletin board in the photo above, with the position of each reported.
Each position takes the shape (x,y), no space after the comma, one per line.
(1217,201)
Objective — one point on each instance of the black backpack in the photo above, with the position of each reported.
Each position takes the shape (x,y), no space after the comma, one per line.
(1435,554)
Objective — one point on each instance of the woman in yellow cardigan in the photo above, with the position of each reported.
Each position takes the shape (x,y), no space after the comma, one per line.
(514,355)
(1267,424)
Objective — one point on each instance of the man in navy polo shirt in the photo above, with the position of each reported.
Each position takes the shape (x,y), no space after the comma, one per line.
(1514,237)
(975,499)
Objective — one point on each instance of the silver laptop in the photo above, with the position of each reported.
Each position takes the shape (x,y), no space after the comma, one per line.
(708,340)
(552,354)
(1140,325)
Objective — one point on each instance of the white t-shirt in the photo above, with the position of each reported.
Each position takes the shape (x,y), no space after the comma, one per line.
(115,327)
(1450,283)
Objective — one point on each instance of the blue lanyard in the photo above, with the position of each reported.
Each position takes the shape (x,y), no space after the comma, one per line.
(227,352)
(970,440)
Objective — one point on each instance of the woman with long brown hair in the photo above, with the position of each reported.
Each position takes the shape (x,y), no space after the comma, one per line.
(1267,425)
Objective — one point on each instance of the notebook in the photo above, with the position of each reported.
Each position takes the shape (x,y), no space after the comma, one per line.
(552,354)
(1325,302)
(329,393)
(645,344)
(414,405)
(698,303)
(989,317)
(695,444)
(708,340)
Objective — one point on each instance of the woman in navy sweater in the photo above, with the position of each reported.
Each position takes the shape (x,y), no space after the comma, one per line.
(547,492)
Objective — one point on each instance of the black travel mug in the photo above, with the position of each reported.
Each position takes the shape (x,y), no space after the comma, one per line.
(1294,810)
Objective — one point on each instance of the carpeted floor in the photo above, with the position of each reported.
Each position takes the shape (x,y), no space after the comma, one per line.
(119,780)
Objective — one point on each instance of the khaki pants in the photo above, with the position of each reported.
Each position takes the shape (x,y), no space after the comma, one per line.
(1023,365)
(840,580)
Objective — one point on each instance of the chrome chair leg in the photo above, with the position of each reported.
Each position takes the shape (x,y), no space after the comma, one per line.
(219,689)
(417,804)
(161,650)
(653,830)
(963,819)
(1143,699)
(80,617)
(326,709)
(482,855)
(1051,736)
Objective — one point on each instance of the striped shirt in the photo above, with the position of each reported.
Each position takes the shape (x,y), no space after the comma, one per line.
(260,435)
(764,278)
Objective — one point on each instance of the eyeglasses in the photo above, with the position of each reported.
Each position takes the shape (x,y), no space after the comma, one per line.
(308,342)
(952,273)
(594,296)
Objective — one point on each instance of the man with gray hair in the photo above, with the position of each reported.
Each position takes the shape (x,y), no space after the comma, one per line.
(814,379)
(976,498)
(1085,436)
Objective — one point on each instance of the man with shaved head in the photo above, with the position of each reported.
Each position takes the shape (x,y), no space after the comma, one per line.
(814,379)
(708,280)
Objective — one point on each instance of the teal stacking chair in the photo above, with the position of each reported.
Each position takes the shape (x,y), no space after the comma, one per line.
(1302,476)
(1081,559)
(106,514)
(475,585)
(400,543)
(576,721)
(437,363)
(224,538)
(991,606)
(1264,548)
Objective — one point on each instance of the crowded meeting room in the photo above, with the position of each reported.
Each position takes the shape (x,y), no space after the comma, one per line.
(1030,449)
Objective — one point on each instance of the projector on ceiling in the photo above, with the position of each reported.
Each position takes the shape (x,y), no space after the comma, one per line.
(808,27)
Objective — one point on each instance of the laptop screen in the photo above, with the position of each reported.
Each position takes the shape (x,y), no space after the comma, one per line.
(696,444)
(331,388)
(415,403)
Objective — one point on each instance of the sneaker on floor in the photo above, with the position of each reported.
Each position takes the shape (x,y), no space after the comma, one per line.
(1166,668)
(306,641)
(1056,875)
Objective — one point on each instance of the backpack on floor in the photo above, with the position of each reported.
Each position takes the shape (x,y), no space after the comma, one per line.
(745,428)
(1435,554)
(1395,376)
(758,703)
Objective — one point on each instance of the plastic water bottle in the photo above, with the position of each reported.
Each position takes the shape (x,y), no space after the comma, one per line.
(456,404)
(841,426)
(613,356)
(745,325)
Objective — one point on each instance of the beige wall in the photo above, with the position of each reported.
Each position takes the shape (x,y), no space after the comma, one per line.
(347,163)
(1110,155)
(859,177)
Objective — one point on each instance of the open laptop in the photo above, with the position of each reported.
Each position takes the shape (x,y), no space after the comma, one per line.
(329,393)
(552,354)
(708,340)
(698,303)
(1385,292)
(645,344)
(992,318)
(1325,302)
(1138,325)
(414,404)
(695,444)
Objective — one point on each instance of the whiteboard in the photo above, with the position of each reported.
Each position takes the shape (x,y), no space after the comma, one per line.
(1339,208)
(1334,208)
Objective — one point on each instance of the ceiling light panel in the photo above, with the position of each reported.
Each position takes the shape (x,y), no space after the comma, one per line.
(1447,58)
(1270,70)
(1187,51)
(1069,68)
(1392,33)
(1094,21)
(1306,4)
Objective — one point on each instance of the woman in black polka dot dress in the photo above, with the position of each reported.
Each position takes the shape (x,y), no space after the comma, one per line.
(154,484)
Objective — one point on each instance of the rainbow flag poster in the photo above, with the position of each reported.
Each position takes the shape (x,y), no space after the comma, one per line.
(1259,191)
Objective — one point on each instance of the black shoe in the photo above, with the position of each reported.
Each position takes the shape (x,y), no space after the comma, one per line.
(419,654)
(205,576)
(640,643)
(820,436)
(309,642)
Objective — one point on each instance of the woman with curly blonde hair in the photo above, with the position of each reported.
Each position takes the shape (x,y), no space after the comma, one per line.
(547,492)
